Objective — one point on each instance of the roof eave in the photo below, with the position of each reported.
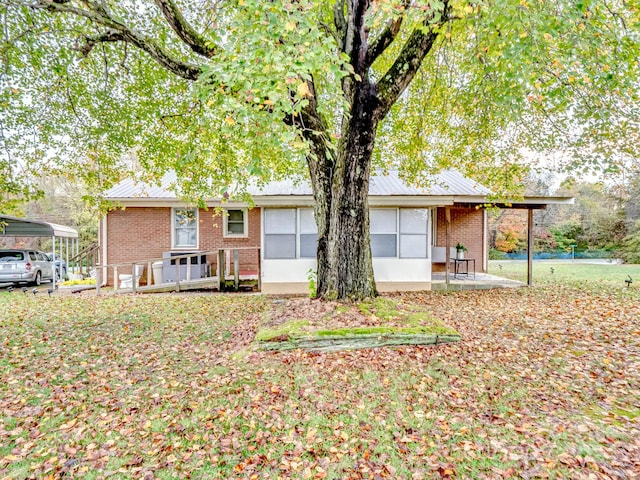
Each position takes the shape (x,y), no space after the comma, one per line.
(525,202)
(290,200)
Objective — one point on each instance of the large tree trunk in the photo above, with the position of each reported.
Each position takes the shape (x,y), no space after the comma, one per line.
(345,267)
(340,175)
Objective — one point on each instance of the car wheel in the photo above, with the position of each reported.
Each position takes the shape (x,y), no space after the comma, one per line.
(38,279)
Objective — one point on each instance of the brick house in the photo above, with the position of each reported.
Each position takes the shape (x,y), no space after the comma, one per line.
(276,238)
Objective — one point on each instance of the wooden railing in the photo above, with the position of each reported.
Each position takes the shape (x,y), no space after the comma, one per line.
(85,260)
(225,278)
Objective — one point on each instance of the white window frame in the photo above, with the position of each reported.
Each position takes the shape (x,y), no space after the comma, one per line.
(245,219)
(392,230)
(425,234)
(428,232)
(173,229)
(266,233)
(298,233)
(398,233)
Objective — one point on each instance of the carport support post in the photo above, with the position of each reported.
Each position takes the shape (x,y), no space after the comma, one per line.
(529,246)
(53,249)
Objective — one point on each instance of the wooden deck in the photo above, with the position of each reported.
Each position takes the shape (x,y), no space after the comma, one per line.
(208,283)
(227,267)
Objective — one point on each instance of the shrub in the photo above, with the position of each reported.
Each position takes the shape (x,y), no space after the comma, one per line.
(495,254)
(630,249)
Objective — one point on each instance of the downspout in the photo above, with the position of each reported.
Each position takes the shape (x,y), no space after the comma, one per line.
(447,236)
(530,246)
(103,260)
(485,240)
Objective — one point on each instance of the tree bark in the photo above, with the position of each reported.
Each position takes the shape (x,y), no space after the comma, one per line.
(345,266)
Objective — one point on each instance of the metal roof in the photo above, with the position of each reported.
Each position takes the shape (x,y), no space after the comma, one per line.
(130,188)
(22,227)
(446,183)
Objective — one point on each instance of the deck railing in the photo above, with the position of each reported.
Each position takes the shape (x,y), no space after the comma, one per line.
(226,277)
(85,260)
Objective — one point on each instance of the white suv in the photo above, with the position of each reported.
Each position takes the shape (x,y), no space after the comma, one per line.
(25,266)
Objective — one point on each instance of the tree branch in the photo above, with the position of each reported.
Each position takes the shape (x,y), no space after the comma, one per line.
(183,29)
(90,41)
(357,33)
(310,122)
(415,49)
(117,31)
(340,22)
(386,37)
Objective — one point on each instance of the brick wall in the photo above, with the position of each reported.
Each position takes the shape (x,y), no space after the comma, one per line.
(140,233)
(211,238)
(466,227)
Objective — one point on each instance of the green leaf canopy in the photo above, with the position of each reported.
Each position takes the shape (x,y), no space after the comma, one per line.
(212,89)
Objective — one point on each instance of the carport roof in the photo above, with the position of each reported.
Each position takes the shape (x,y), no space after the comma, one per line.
(22,227)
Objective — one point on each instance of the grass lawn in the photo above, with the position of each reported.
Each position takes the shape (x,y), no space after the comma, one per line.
(564,271)
(544,384)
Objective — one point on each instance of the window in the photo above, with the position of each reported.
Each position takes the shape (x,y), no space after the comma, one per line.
(395,233)
(383,226)
(290,233)
(414,224)
(280,233)
(185,228)
(399,232)
(308,234)
(235,224)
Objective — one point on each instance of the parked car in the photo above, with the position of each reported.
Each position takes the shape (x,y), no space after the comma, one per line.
(61,265)
(25,266)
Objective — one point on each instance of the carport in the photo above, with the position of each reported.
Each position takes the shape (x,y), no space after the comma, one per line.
(64,239)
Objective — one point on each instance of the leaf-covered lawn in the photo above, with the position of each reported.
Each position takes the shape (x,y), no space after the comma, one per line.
(545,383)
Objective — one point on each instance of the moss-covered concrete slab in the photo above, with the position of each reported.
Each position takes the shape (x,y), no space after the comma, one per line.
(332,326)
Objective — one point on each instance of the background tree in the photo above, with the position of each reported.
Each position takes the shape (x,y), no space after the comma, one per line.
(228,91)
(629,250)
(596,221)
(508,230)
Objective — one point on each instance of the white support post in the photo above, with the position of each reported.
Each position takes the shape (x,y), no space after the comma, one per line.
(236,270)
(99,278)
(447,235)
(53,249)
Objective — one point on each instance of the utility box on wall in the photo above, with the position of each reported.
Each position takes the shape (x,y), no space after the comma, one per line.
(197,264)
